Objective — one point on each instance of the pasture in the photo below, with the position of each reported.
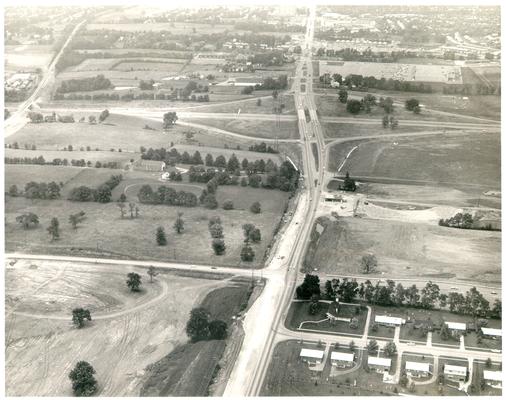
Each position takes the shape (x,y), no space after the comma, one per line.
(407,249)
(105,233)
(21,57)
(128,332)
(450,160)
(21,174)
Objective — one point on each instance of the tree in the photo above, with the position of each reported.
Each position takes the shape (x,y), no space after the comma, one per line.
(134,212)
(103,194)
(247,229)
(103,115)
(13,191)
(411,104)
(343,95)
(496,311)
(259,102)
(133,281)
(369,263)
(353,106)
(218,246)
(429,295)
(76,219)
(390,349)
(209,160)
(310,286)
(84,383)
(385,121)
(28,219)
(216,231)
(169,119)
(372,346)
(444,332)
(179,223)
(218,330)
(92,119)
(161,239)
(220,162)
(352,346)
(197,327)
(122,210)
(233,163)
(247,253)
(256,208)
(79,315)
(210,201)
(488,363)
(255,236)
(349,184)
(54,229)
(122,198)
(152,272)
(228,205)
(314,305)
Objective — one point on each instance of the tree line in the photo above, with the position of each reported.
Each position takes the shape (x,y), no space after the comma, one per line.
(63,162)
(102,194)
(167,195)
(392,294)
(464,221)
(99,82)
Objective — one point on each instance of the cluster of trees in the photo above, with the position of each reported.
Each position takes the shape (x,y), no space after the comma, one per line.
(167,195)
(134,209)
(269,83)
(99,82)
(130,96)
(350,54)
(38,190)
(169,119)
(216,232)
(355,106)
(459,220)
(201,327)
(262,148)
(349,184)
(413,105)
(101,195)
(84,383)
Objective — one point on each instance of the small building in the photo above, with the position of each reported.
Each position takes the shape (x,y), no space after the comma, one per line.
(149,165)
(311,356)
(493,378)
(417,370)
(495,333)
(389,321)
(341,360)
(456,373)
(379,364)
(456,327)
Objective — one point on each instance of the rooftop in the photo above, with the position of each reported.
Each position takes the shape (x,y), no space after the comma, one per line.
(492,375)
(416,366)
(455,370)
(458,326)
(492,331)
(312,353)
(384,319)
(384,362)
(341,356)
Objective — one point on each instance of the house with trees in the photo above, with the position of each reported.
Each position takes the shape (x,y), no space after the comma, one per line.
(341,360)
(379,364)
(311,356)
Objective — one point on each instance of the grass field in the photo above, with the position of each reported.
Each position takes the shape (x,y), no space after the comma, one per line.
(335,130)
(20,175)
(449,159)
(99,233)
(129,331)
(408,250)
(27,56)
(255,129)
(287,375)
(188,370)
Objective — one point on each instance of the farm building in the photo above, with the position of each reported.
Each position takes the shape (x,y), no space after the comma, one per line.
(455,372)
(311,356)
(341,360)
(495,333)
(389,321)
(149,165)
(417,369)
(493,378)
(379,364)
(456,327)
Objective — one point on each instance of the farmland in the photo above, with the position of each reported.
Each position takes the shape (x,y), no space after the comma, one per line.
(99,234)
(408,250)
(452,159)
(119,342)
(27,56)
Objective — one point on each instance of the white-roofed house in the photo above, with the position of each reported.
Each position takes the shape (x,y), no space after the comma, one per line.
(456,328)
(495,333)
(389,321)
(417,369)
(493,378)
(341,360)
(311,356)
(379,364)
(455,372)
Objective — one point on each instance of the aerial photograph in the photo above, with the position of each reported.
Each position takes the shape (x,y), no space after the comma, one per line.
(252,199)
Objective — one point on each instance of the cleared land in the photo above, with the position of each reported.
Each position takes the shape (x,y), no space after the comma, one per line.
(255,129)
(104,233)
(407,250)
(337,130)
(449,159)
(129,331)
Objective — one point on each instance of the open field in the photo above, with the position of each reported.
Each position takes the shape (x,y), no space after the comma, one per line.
(289,376)
(129,331)
(488,74)
(449,159)
(337,130)
(122,77)
(250,105)
(408,250)
(20,175)
(27,56)
(255,129)
(99,233)
(189,369)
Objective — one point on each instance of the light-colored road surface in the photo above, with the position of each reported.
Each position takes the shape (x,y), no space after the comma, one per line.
(18,118)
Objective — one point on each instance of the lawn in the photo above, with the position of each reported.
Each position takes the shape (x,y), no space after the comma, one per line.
(299,312)
(20,175)
(407,249)
(104,233)
(287,375)
(448,160)
(256,129)
(129,330)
